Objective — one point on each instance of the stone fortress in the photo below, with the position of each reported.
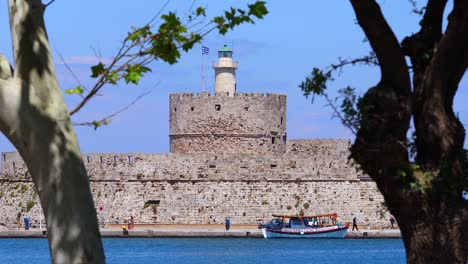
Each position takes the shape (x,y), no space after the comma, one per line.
(229,157)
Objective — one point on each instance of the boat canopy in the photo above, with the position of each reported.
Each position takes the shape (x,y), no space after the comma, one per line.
(306,216)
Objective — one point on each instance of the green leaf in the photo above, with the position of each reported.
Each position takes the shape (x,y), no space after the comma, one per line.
(135,72)
(76,90)
(97,70)
(112,77)
(133,77)
(139,33)
(403,174)
(200,11)
(258,9)
(96,124)
(316,83)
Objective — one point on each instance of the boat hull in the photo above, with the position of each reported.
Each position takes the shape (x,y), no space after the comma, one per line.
(320,232)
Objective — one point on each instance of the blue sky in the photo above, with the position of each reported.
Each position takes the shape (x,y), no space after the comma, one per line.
(274,55)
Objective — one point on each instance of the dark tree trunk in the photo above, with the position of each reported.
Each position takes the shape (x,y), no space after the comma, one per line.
(425,199)
(435,232)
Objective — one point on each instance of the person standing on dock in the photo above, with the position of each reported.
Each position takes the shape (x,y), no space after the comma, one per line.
(18,219)
(354,224)
(392,222)
(227,223)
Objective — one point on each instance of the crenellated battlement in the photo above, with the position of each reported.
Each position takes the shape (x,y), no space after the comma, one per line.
(308,161)
(190,95)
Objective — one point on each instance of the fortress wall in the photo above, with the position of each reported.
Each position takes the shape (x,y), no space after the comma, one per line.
(329,156)
(205,188)
(14,197)
(335,148)
(13,166)
(244,202)
(227,144)
(301,165)
(243,123)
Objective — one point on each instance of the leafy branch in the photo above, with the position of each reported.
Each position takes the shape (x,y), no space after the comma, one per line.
(348,111)
(106,120)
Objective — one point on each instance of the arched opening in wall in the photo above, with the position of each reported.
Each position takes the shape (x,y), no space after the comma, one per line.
(192,108)
(175,109)
(281,122)
(4,157)
(131,159)
(273,140)
(217,107)
(116,158)
(88,158)
(246,108)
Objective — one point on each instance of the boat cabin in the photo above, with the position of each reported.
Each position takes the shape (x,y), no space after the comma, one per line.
(295,221)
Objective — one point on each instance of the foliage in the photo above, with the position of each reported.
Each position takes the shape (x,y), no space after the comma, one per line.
(24,188)
(29,205)
(347,105)
(416,178)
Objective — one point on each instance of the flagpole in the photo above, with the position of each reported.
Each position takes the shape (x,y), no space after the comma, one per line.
(203,73)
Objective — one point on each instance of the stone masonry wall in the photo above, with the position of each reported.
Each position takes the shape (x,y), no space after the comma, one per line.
(314,176)
(252,123)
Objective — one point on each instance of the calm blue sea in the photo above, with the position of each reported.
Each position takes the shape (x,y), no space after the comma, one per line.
(221,250)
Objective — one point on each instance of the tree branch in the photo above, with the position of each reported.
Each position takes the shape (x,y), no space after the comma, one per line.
(384,43)
(6,71)
(385,109)
(420,46)
(31,49)
(48,4)
(432,20)
(451,56)
(69,69)
(440,134)
(109,117)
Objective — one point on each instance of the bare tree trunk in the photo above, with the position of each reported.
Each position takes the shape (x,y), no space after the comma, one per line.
(34,117)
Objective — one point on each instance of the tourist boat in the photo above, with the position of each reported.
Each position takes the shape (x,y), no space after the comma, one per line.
(315,226)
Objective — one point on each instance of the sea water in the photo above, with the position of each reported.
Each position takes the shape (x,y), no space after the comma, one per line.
(221,250)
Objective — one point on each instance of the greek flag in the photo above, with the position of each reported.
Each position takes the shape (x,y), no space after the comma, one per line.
(204,50)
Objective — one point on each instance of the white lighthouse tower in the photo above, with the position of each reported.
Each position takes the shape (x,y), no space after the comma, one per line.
(225,72)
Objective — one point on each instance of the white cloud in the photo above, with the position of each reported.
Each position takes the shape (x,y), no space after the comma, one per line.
(84,60)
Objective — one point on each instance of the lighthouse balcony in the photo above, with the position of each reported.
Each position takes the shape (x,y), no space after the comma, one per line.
(225,64)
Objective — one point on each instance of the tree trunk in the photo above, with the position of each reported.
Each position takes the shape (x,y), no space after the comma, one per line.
(437,233)
(35,119)
(425,199)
